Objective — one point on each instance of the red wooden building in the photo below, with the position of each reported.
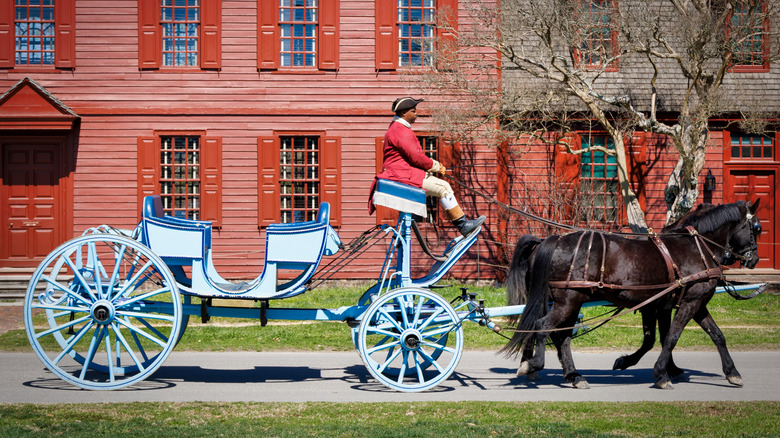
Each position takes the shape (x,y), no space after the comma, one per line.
(249,112)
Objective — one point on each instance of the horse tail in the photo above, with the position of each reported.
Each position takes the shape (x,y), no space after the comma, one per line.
(517,279)
(538,296)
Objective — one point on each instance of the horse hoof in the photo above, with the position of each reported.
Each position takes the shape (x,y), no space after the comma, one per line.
(524,369)
(664,384)
(735,380)
(532,377)
(619,365)
(581,383)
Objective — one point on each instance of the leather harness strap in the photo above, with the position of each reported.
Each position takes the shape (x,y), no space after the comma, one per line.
(675,279)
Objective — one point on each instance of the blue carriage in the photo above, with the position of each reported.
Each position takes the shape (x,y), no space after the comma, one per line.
(115,303)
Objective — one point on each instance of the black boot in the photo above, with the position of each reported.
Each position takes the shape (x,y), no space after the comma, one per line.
(467,226)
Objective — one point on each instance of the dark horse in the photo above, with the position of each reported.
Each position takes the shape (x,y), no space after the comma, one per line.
(679,268)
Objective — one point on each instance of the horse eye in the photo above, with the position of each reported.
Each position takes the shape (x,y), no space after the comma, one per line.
(757,228)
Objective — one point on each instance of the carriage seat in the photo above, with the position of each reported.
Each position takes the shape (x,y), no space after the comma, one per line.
(174,239)
(302,242)
(401,197)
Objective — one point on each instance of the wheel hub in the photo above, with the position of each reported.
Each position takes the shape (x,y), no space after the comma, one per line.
(103,312)
(411,340)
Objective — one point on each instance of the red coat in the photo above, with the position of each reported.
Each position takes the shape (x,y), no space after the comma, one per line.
(404,160)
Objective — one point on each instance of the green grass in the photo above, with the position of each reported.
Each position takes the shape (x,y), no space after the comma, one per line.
(383,420)
(747,325)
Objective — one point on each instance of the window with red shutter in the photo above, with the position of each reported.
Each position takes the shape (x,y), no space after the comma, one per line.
(38,33)
(406,31)
(297,172)
(298,34)
(185,33)
(748,34)
(598,35)
(186,171)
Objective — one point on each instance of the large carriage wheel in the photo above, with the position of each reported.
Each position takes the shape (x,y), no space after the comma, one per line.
(410,339)
(102,311)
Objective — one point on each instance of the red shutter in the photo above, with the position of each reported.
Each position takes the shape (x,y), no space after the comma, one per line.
(328,36)
(330,177)
(211,34)
(386,35)
(267,35)
(447,16)
(384,215)
(567,177)
(149,39)
(211,180)
(268,204)
(64,34)
(148,169)
(7,35)
(636,156)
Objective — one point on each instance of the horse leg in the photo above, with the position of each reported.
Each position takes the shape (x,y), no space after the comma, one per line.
(562,341)
(681,319)
(664,320)
(706,322)
(533,359)
(649,317)
(528,353)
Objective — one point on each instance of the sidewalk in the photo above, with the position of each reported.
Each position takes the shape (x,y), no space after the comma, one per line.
(11,316)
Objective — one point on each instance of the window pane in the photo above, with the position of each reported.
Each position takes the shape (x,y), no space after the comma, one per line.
(180,18)
(299,175)
(416,23)
(180,176)
(34,32)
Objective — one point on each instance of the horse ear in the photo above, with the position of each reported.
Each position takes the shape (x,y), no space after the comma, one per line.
(754,206)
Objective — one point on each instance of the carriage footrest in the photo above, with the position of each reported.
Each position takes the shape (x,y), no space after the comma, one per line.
(401,197)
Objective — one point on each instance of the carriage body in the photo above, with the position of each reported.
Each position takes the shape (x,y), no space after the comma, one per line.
(115,303)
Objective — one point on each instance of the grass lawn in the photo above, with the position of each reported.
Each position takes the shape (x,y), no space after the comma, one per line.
(383,420)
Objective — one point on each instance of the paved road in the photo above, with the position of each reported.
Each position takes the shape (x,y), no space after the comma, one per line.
(341,377)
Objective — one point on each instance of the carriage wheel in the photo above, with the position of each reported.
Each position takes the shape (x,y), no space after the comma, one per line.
(410,339)
(102,311)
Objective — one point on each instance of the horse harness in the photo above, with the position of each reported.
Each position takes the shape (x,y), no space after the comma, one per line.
(677,282)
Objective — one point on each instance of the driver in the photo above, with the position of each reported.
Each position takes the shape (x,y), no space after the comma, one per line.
(405,162)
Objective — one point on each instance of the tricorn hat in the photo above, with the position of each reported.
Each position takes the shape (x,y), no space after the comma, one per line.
(405,103)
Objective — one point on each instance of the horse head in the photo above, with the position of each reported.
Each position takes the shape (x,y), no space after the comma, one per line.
(742,241)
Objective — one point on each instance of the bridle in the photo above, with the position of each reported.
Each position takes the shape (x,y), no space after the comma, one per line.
(745,254)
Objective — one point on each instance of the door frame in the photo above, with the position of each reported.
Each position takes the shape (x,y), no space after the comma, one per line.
(64,228)
(755,166)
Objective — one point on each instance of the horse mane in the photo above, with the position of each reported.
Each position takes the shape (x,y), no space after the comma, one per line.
(707,217)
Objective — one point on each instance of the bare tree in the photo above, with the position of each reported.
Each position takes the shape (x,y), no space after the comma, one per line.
(542,66)
(703,42)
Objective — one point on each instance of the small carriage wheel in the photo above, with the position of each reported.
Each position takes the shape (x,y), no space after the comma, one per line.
(102,311)
(410,339)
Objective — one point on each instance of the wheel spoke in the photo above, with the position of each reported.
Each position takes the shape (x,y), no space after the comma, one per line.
(389,360)
(431,360)
(431,318)
(384,346)
(66,290)
(72,342)
(80,278)
(141,297)
(141,332)
(93,344)
(403,367)
(150,327)
(110,360)
(115,273)
(391,320)
(123,341)
(130,285)
(63,326)
(140,315)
